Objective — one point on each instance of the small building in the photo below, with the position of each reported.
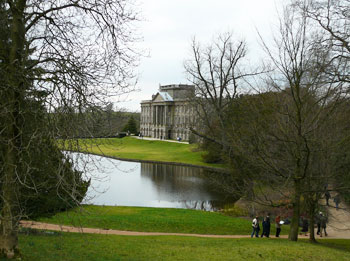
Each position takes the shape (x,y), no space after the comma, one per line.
(169,114)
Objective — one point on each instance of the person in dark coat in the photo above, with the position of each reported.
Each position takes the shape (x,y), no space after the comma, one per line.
(263,223)
(323,220)
(318,222)
(337,201)
(268,225)
(327,195)
(305,225)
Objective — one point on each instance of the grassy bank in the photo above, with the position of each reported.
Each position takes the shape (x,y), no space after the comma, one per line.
(87,247)
(138,149)
(155,220)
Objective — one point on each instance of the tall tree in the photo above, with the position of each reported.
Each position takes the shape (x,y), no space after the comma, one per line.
(77,53)
(218,72)
(310,96)
(130,125)
(333,19)
(274,138)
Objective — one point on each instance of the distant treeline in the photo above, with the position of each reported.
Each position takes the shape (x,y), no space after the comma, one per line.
(95,123)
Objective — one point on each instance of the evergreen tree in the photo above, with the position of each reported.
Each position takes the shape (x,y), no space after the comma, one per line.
(131,126)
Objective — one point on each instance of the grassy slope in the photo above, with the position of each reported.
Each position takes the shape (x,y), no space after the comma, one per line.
(155,220)
(102,247)
(131,148)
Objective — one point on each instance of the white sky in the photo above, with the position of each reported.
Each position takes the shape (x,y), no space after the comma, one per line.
(169,26)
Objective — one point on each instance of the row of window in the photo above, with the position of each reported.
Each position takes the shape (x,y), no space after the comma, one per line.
(177,108)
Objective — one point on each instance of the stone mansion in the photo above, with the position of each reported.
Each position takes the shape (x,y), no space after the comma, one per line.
(169,114)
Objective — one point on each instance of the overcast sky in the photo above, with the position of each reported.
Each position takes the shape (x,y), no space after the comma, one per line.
(169,26)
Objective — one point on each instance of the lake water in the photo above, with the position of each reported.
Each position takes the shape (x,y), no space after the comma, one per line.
(123,183)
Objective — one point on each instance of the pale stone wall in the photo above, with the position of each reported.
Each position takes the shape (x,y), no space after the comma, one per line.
(168,119)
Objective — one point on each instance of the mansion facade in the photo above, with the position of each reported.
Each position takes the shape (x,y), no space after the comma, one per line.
(169,114)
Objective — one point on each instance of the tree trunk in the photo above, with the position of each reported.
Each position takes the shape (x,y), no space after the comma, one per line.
(294,226)
(312,223)
(9,214)
(8,224)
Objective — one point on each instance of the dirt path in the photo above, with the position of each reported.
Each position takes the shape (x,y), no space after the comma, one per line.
(39,225)
(339,220)
(338,227)
(149,138)
(46,226)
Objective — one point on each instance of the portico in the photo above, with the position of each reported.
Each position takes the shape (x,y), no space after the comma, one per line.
(167,115)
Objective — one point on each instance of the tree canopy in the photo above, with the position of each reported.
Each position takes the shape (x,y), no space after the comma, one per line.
(280,132)
(71,54)
(131,126)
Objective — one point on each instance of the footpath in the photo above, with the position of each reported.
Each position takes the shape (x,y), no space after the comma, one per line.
(148,138)
(53,227)
(338,227)
(338,220)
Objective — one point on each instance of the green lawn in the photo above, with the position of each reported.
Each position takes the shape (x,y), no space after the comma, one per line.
(138,149)
(71,246)
(156,220)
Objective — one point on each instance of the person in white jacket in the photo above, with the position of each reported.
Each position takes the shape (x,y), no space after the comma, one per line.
(256,227)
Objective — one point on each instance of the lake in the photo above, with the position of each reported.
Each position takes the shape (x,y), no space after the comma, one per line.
(123,183)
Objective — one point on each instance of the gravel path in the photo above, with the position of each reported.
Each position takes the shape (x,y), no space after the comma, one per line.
(339,220)
(338,227)
(46,226)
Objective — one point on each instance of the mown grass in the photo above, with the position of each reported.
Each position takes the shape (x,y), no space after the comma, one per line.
(138,149)
(155,220)
(71,246)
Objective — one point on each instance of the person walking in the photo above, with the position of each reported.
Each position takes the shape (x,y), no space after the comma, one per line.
(264,228)
(268,225)
(256,227)
(337,201)
(323,221)
(327,196)
(318,222)
(278,226)
(305,225)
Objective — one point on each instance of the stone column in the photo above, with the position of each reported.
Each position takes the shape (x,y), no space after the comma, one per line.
(156,115)
(165,115)
(161,115)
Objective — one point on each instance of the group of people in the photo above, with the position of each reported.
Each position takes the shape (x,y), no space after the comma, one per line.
(336,199)
(321,221)
(266,226)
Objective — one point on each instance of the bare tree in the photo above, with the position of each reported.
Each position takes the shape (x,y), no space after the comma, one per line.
(298,146)
(333,18)
(278,140)
(58,53)
(218,72)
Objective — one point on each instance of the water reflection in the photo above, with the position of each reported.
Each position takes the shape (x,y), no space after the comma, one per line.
(152,185)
